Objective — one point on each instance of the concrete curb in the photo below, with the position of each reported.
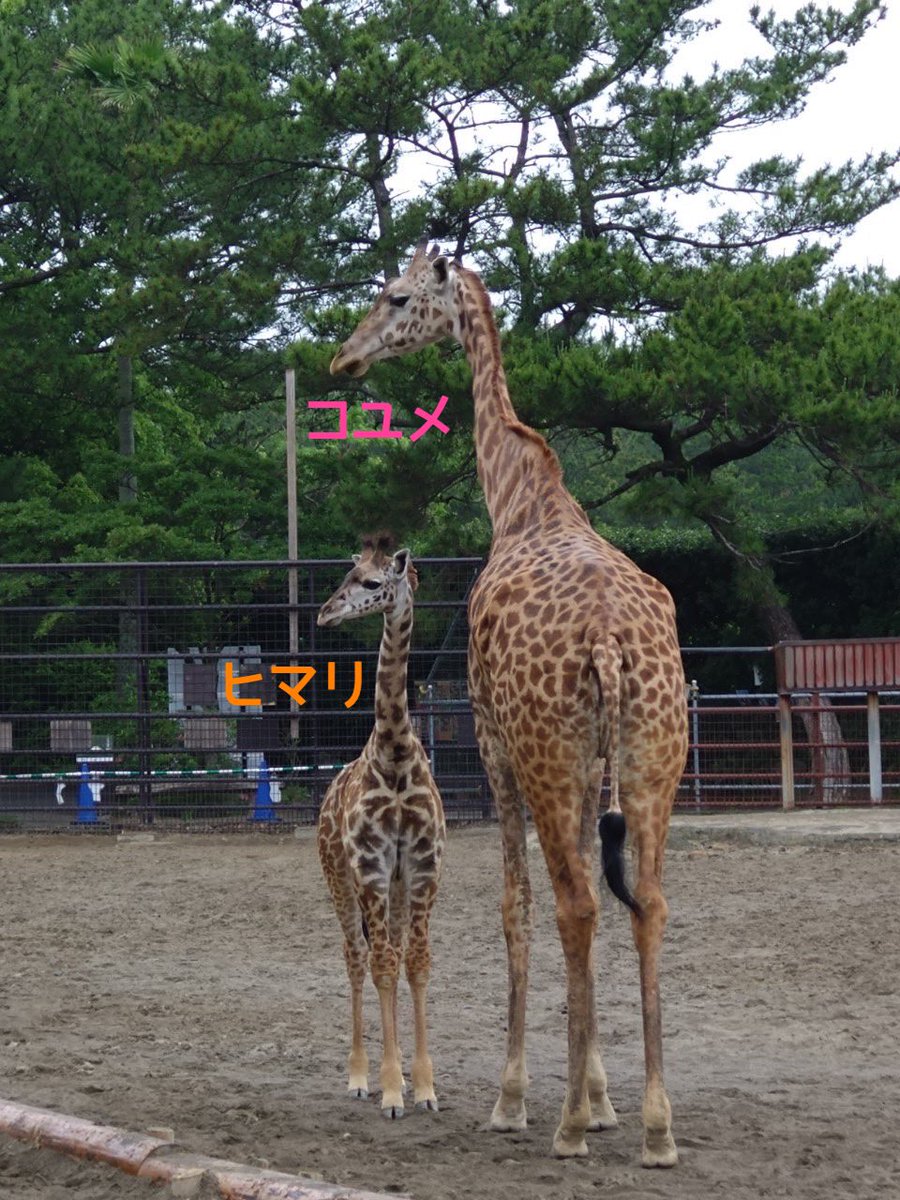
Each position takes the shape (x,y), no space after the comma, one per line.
(810,827)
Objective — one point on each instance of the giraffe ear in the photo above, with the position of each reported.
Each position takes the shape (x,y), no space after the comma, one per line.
(401,562)
(441,268)
(356,558)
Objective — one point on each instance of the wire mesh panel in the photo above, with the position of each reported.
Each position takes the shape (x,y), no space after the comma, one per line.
(890,748)
(195,696)
(832,749)
(733,753)
(178,694)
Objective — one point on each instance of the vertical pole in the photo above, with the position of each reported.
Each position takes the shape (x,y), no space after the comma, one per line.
(429,691)
(786,734)
(695,739)
(874,723)
(293,616)
(145,786)
(313,715)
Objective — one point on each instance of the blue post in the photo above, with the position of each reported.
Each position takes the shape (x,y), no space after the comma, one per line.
(263,810)
(87,810)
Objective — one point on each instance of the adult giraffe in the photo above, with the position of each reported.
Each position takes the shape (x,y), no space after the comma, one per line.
(573,655)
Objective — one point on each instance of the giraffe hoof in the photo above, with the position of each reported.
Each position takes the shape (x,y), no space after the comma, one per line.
(598,1124)
(508,1122)
(603,1116)
(430,1105)
(569,1147)
(392,1110)
(358,1093)
(659,1150)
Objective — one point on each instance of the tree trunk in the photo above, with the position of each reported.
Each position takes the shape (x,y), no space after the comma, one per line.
(127,481)
(830,761)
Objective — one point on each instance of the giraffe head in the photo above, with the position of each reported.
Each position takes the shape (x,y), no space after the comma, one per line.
(381,580)
(412,311)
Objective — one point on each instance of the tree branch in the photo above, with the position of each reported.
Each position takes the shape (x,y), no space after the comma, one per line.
(12,285)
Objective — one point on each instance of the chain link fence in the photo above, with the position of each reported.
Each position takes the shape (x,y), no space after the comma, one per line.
(195,696)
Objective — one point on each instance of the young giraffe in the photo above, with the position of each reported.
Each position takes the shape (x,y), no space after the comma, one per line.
(381,833)
(573,657)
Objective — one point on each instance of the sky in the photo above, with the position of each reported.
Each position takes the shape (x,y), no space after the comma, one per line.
(845,117)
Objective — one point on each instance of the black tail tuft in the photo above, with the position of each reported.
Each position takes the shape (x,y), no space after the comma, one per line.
(612,858)
(365,930)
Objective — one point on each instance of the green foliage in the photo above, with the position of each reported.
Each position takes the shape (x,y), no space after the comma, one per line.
(211,191)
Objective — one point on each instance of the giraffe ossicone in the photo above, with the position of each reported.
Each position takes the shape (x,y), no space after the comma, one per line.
(574,665)
(381,834)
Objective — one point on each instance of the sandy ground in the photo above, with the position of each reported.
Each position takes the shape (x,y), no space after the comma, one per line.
(199,984)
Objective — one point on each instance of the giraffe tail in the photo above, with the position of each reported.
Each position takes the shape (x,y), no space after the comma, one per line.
(612,859)
(607,656)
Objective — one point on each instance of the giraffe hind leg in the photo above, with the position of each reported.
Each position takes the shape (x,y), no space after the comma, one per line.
(557,811)
(659,1149)
(603,1115)
(577,909)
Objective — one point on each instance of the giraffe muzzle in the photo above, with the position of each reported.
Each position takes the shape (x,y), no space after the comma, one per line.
(325,619)
(353,367)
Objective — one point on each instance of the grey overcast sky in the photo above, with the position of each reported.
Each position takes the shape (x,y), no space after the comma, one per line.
(853,114)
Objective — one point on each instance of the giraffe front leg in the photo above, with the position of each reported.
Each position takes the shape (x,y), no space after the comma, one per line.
(356,950)
(398,922)
(392,1085)
(418,969)
(385,963)
(422,1068)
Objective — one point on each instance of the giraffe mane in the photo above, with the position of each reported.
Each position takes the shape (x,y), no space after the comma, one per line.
(490,324)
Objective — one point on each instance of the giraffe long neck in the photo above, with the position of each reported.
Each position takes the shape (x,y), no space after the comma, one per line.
(520,474)
(392,724)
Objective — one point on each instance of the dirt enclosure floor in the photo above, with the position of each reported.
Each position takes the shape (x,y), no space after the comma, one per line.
(199,984)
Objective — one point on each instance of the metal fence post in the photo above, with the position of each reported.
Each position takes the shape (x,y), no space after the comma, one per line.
(145,785)
(429,692)
(312,724)
(290,423)
(786,736)
(874,728)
